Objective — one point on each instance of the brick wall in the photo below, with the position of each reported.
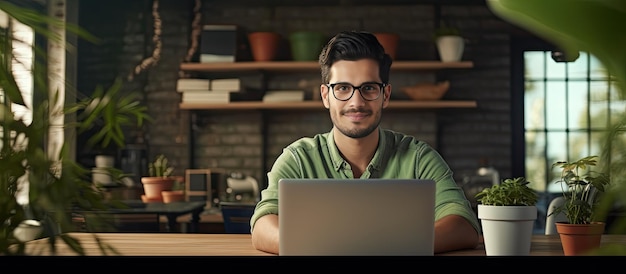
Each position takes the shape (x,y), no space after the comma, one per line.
(233,139)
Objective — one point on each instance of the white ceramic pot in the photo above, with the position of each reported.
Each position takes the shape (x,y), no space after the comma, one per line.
(450,48)
(507,230)
(105,161)
(28,230)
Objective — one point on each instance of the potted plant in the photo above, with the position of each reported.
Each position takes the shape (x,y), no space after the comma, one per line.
(160,179)
(264,45)
(389,41)
(581,188)
(507,213)
(450,43)
(177,193)
(55,184)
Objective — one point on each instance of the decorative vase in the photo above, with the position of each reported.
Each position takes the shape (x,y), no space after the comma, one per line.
(389,41)
(578,239)
(306,45)
(507,230)
(264,45)
(153,186)
(450,48)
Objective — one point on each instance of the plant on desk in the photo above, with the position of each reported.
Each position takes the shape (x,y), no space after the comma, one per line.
(507,213)
(581,187)
(160,179)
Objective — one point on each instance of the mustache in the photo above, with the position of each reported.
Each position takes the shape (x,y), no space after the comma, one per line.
(357,110)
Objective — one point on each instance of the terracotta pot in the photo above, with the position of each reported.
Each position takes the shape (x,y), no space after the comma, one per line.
(173,196)
(389,41)
(151,200)
(264,45)
(153,186)
(578,239)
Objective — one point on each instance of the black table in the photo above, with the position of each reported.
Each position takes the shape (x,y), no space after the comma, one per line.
(170,210)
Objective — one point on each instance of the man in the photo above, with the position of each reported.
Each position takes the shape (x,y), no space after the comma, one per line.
(357,148)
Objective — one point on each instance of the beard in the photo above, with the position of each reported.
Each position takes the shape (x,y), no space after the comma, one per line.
(352,131)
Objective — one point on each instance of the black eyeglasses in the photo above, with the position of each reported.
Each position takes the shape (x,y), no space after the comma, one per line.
(369,91)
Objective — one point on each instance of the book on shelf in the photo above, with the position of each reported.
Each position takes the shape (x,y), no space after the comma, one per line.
(233,84)
(193,84)
(204,96)
(226,83)
(283,96)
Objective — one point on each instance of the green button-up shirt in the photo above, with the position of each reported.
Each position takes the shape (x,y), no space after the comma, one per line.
(397,156)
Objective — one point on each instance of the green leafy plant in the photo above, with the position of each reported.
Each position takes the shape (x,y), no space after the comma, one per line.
(445,29)
(55,184)
(581,187)
(160,167)
(510,192)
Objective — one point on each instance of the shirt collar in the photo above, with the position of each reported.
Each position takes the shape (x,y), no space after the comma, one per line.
(338,161)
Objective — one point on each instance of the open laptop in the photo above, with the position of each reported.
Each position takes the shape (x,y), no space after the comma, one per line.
(356,217)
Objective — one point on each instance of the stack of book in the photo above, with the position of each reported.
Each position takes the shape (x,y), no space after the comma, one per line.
(283,96)
(208,90)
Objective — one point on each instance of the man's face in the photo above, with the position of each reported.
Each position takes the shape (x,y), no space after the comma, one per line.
(356,117)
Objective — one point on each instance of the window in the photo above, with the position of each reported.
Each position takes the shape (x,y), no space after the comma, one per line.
(568,108)
(21,65)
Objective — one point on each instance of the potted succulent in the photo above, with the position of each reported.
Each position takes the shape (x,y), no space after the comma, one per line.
(581,189)
(450,43)
(160,179)
(507,213)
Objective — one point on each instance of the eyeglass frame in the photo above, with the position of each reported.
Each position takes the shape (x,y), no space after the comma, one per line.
(382,86)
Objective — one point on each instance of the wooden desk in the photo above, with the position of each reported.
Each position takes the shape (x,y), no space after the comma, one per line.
(155,244)
(174,244)
(542,245)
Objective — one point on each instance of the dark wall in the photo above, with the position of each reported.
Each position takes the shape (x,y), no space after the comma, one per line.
(232,139)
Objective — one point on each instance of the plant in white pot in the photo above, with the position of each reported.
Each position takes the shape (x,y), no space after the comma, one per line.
(450,43)
(581,189)
(507,212)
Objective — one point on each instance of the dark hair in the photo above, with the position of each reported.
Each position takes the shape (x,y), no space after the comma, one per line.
(352,46)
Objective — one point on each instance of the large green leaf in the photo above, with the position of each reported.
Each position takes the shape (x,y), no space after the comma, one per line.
(595,26)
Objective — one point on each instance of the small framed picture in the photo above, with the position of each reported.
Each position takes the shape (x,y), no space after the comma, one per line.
(203,185)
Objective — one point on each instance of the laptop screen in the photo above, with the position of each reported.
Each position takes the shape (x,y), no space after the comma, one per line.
(356,216)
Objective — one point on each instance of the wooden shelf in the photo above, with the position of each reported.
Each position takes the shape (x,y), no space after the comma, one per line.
(287,66)
(313,105)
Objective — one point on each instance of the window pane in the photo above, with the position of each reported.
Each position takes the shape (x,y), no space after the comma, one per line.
(618,110)
(557,146)
(556,105)
(596,69)
(577,105)
(534,108)
(578,145)
(598,140)
(22,66)
(578,68)
(535,160)
(556,71)
(534,61)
